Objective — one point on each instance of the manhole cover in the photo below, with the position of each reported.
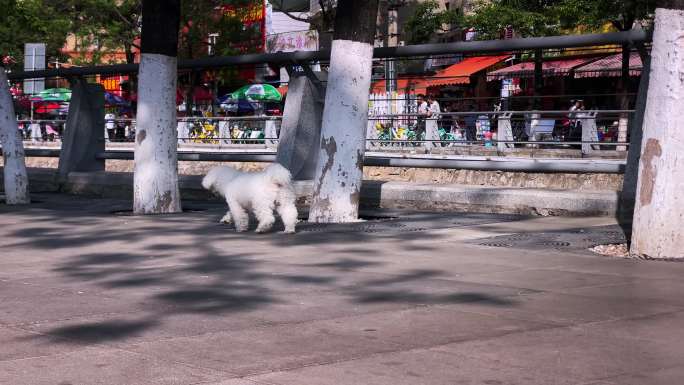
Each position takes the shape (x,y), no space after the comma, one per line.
(413,229)
(313,227)
(554,244)
(496,244)
(376,217)
(517,237)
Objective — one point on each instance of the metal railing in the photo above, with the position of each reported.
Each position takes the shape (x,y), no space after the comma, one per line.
(401,129)
(554,129)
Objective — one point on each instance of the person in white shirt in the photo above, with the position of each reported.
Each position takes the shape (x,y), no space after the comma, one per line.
(431,124)
(423,107)
(423,112)
(110,125)
(434,108)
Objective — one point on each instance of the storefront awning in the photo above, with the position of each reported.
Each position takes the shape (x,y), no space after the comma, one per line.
(460,72)
(416,85)
(610,66)
(550,68)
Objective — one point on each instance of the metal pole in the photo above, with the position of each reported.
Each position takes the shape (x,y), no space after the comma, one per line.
(372,160)
(488,46)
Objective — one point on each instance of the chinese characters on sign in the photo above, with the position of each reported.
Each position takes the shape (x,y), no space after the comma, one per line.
(293,41)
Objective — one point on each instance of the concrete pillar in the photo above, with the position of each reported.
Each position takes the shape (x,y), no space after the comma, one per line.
(183,131)
(271,133)
(155,178)
(15,178)
(224,131)
(431,133)
(589,132)
(300,129)
(339,168)
(623,124)
(83,131)
(659,209)
(371,133)
(36,134)
(504,132)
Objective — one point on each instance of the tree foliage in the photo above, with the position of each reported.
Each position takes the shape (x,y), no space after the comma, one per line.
(32,21)
(222,17)
(428,19)
(552,17)
(526,17)
(104,26)
(594,14)
(322,22)
(107,26)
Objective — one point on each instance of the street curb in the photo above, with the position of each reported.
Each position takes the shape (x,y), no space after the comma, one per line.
(398,195)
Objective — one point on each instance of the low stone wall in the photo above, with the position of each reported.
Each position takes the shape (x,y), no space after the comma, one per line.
(374,194)
(556,181)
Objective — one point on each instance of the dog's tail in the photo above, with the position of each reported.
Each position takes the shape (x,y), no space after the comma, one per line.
(279,175)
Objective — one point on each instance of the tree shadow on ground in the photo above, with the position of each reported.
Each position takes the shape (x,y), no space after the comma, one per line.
(186,264)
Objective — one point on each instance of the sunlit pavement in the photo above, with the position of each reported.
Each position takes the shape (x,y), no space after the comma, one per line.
(92,295)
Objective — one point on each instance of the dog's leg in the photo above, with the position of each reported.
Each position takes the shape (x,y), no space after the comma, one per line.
(227,219)
(264,214)
(288,213)
(240,217)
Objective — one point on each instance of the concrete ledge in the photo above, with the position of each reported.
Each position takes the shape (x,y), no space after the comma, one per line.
(374,194)
(492,200)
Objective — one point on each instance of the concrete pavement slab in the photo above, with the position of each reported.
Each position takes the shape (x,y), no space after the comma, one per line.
(665,291)
(413,367)
(93,296)
(99,366)
(20,344)
(664,329)
(24,303)
(121,330)
(564,309)
(572,352)
(666,376)
(427,326)
(266,349)
(547,279)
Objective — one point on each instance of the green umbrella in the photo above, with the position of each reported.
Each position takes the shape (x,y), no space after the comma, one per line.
(257,92)
(55,95)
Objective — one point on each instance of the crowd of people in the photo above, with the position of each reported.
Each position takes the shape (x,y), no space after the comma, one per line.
(476,125)
(41,130)
(119,128)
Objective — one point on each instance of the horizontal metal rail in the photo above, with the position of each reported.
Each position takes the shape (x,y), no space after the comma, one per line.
(517,165)
(509,165)
(283,58)
(377,160)
(577,114)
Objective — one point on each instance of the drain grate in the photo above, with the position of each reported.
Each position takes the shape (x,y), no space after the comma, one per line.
(570,240)
(496,244)
(560,244)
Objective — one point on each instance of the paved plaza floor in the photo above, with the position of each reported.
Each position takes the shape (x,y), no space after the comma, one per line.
(92,295)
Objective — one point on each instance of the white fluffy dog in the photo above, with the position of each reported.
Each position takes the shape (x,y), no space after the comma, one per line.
(261,192)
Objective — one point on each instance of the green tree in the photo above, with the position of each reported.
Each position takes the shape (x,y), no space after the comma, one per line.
(526,17)
(108,26)
(428,19)
(219,27)
(594,14)
(552,17)
(32,21)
